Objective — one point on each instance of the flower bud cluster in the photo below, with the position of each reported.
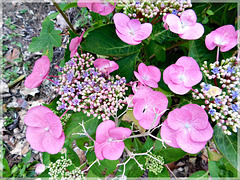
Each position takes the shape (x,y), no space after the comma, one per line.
(59,169)
(83,87)
(150,8)
(154,163)
(222,100)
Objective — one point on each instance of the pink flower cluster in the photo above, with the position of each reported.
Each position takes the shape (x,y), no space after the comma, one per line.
(102,7)
(181,76)
(187,128)
(44,132)
(40,72)
(224,37)
(109,140)
(131,31)
(186,26)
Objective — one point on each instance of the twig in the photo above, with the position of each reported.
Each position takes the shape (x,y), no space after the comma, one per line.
(12,83)
(170,171)
(64,16)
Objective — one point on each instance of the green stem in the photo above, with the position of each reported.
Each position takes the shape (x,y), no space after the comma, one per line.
(64,16)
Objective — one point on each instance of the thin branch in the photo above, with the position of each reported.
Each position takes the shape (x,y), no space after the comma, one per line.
(64,16)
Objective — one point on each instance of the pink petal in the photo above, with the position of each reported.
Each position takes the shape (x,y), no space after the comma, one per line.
(155,73)
(192,32)
(127,38)
(187,63)
(147,121)
(151,83)
(139,77)
(113,150)
(98,150)
(34,136)
(55,125)
(138,109)
(188,17)
(134,25)
(112,67)
(102,131)
(144,32)
(186,144)
(121,22)
(166,75)
(39,73)
(174,24)
(85,3)
(35,117)
(108,9)
(199,116)
(120,133)
(193,77)
(33,80)
(74,43)
(53,145)
(168,135)
(209,40)
(97,7)
(73,53)
(40,168)
(178,118)
(178,88)
(201,135)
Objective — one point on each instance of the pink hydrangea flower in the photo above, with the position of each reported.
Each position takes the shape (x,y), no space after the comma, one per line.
(187,128)
(148,107)
(40,168)
(109,140)
(105,66)
(181,76)
(75,42)
(39,73)
(102,7)
(131,31)
(186,26)
(44,132)
(148,75)
(225,37)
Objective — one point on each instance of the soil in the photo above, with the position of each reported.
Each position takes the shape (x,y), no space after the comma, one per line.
(28,17)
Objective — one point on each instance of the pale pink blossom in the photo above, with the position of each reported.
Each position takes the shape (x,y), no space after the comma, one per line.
(105,66)
(75,42)
(181,76)
(148,75)
(186,26)
(109,140)
(225,37)
(39,73)
(148,107)
(40,168)
(187,128)
(131,31)
(102,7)
(44,132)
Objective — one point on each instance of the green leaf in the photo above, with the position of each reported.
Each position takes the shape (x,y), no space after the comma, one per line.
(171,154)
(104,41)
(213,156)
(67,51)
(148,144)
(22,170)
(199,52)
(47,40)
(81,143)
(70,5)
(137,145)
(5,165)
(221,168)
(199,175)
(105,168)
(209,12)
(27,157)
(126,66)
(46,158)
(227,145)
(163,174)
(72,126)
(158,144)
(165,36)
